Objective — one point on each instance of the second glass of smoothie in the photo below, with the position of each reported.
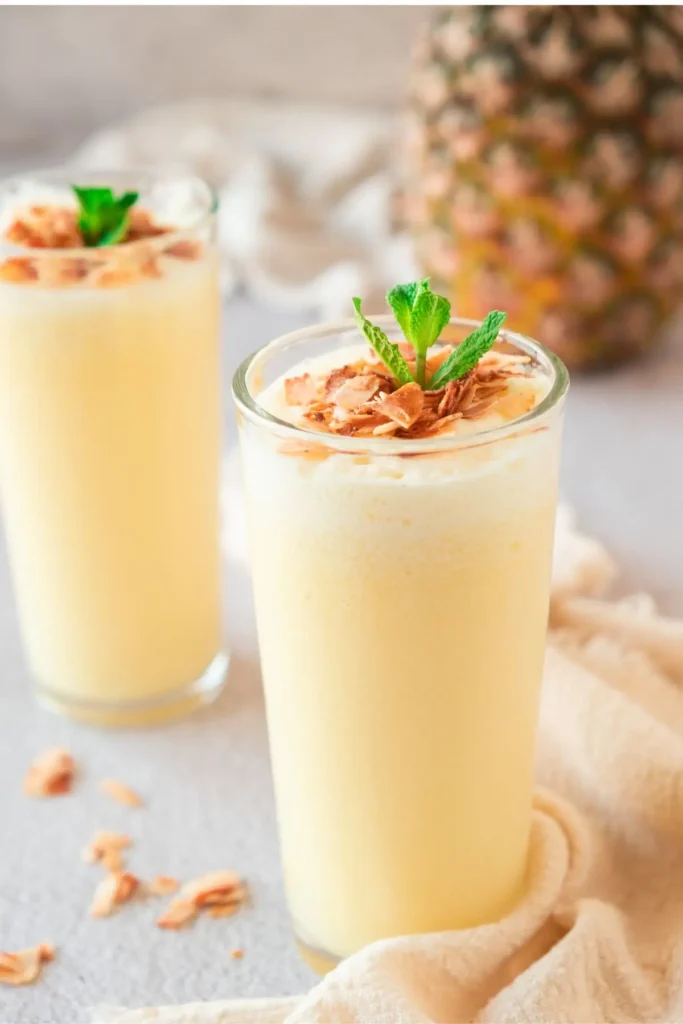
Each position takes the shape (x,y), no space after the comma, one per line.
(110,431)
(402,590)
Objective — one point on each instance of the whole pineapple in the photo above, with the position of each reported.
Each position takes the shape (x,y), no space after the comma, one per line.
(546,170)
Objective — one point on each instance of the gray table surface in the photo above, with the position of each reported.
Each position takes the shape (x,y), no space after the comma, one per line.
(206,779)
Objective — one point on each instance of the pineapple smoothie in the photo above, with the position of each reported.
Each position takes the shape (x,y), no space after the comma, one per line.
(401,559)
(109,445)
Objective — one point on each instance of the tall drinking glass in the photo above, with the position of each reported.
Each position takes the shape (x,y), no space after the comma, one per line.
(401,593)
(110,431)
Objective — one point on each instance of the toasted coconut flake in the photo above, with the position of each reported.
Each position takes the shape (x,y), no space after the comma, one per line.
(178,913)
(468,389)
(315,415)
(18,271)
(51,774)
(422,427)
(450,398)
(403,406)
(185,249)
(112,860)
(300,390)
(104,846)
(163,885)
(46,227)
(116,888)
(361,423)
(386,428)
(214,887)
(24,967)
(223,909)
(220,893)
(355,392)
(336,379)
(141,224)
(122,794)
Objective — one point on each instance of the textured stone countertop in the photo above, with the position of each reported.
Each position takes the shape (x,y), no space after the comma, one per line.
(206,779)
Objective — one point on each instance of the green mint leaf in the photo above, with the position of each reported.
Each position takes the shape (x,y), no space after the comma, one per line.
(386,350)
(468,353)
(92,198)
(103,218)
(113,235)
(127,200)
(429,316)
(402,299)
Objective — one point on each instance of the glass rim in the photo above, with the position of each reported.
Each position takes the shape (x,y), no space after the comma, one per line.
(62,172)
(248,405)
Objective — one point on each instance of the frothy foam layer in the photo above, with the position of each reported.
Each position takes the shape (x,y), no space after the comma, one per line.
(522,393)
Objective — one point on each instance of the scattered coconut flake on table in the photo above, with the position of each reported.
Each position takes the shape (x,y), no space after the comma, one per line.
(222,892)
(162,885)
(117,888)
(24,967)
(178,913)
(105,847)
(50,774)
(122,794)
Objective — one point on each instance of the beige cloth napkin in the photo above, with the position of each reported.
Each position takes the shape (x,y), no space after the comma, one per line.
(599,937)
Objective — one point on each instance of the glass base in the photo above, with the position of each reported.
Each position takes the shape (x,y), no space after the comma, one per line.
(153,710)
(318,960)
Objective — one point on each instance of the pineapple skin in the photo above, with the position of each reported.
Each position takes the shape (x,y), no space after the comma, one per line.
(545,171)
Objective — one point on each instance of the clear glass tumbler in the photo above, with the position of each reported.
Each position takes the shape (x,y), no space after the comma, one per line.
(402,593)
(110,431)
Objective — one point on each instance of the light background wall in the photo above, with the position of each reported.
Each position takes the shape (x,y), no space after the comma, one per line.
(67,70)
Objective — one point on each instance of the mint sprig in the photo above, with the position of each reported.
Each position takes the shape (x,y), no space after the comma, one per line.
(422,315)
(468,353)
(387,351)
(103,217)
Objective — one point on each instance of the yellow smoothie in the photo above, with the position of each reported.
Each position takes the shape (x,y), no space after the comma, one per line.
(109,456)
(402,607)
